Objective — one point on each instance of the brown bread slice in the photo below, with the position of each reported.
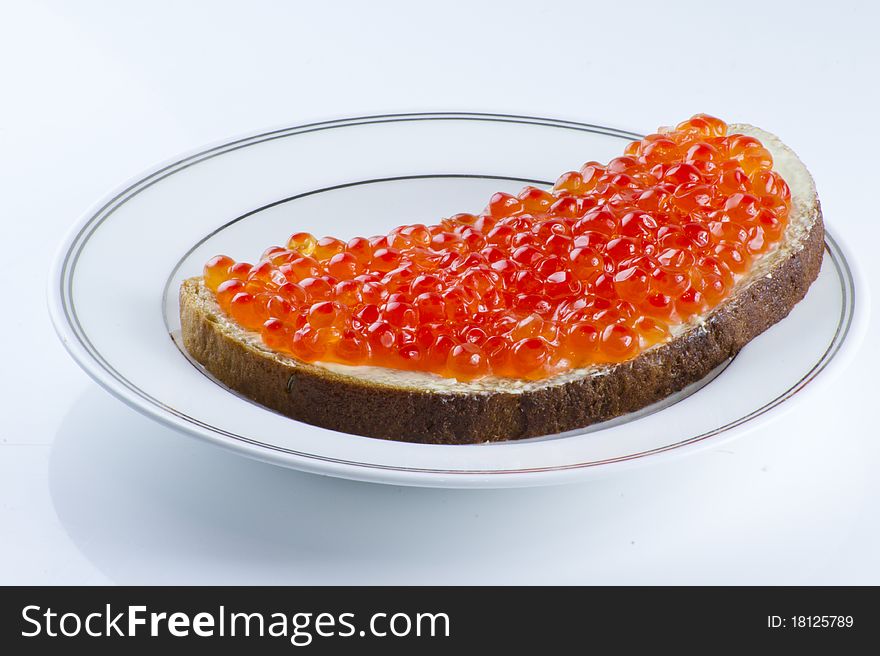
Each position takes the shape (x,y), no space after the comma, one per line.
(422,407)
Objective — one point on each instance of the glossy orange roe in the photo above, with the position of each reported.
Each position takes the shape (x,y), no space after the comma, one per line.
(593,271)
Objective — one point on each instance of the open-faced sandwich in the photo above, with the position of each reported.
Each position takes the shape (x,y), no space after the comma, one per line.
(548,311)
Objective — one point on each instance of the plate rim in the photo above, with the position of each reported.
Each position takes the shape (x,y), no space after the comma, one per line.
(839,352)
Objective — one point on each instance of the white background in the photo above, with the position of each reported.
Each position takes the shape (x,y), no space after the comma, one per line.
(95,92)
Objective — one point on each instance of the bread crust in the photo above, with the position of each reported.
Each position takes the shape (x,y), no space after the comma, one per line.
(323,397)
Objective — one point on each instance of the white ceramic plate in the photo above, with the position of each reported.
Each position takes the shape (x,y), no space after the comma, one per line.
(114,303)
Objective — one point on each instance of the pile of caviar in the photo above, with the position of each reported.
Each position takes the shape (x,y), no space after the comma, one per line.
(593,271)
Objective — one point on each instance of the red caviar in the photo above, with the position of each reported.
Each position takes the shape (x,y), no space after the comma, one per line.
(595,270)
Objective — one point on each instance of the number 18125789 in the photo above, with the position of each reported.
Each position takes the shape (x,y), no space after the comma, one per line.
(810,622)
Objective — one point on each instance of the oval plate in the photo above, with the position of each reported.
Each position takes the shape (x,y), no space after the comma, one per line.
(113,291)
